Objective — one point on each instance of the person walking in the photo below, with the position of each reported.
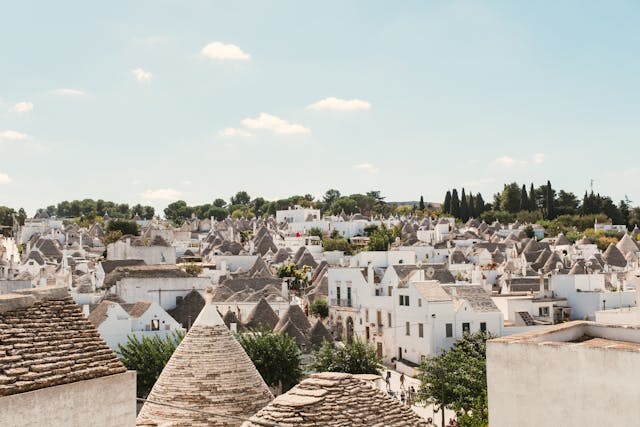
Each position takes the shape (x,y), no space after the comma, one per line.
(402,381)
(388,381)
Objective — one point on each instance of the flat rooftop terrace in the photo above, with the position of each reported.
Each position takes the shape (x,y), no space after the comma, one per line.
(580,334)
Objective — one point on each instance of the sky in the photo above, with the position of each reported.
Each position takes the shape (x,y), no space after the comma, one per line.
(150,101)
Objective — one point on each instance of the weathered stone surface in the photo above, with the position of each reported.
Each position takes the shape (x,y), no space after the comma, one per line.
(335,399)
(46,341)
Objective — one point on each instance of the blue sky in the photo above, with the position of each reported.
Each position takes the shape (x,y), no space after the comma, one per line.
(150,101)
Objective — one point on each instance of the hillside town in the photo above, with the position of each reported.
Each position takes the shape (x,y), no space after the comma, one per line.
(68,304)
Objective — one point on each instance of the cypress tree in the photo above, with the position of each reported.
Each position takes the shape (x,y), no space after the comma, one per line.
(479,205)
(472,206)
(421,205)
(455,204)
(524,199)
(446,206)
(464,207)
(549,201)
(533,203)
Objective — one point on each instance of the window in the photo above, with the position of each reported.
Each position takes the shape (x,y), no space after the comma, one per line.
(406,300)
(449,330)
(408,328)
(389,319)
(420,330)
(155,325)
(366,315)
(401,299)
(419,302)
(466,327)
(390,289)
(349,295)
(543,311)
(483,326)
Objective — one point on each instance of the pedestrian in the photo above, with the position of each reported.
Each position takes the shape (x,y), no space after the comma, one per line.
(411,395)
(402,381)
(430,422)
(388,380)
(402,397)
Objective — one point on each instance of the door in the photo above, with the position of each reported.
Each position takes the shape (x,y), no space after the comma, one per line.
(379,349)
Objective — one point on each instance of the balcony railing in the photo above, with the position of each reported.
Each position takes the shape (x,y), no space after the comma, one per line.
(341,302)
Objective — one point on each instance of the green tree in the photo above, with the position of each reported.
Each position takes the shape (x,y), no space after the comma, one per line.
(320,308)
(446,206)
(297,277)
(125,227)
(533,199)
(455,204)
(381,237)
(337,244)
(464,207)
(456,378)
(346,204)
(178,212)
(275,356)
(148,356)
(421,204)
(480,206)
(193,269)
(567,203)
(219,203)
(331,196)
(315,231)
(549,200)
(524,199)
(111,237)
(510,198)
(241,198)
(357,357)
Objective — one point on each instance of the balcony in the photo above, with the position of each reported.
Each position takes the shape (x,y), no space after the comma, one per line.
(341,302)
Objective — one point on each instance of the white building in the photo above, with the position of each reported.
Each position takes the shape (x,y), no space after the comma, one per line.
(157,251)
(116,322)
(574,374)
(298,214)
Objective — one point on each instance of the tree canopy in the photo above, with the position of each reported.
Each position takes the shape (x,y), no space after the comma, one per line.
(276,357)
(356,357)
(457,378)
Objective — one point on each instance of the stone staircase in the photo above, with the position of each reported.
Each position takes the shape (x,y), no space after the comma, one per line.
(526,318)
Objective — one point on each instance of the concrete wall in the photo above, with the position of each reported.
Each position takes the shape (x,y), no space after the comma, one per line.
(106,401)
(538,385)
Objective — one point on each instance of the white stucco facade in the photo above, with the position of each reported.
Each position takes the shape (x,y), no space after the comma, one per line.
(101,402)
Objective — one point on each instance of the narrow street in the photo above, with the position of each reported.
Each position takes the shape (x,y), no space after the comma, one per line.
(424,411)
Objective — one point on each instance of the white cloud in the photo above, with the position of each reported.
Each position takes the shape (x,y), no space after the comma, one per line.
(69,92)
(506,161)
(336,104)
(142,75)
(274,124)
(12,135)
(538,158)
(232,132)
(162,194)
(22,107)
(224,52)
(368,167)
(4,178)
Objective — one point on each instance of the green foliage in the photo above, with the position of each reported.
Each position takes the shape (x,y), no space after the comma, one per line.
(193,269)
(242,212)
(320,308)
(458,376)
(337,244)
(315,231)
(478,414)
(357,357)
(6,220)
(404,210)
(123,226)
(503,217)
(241,198)
(148,356)
(380,238)
(111,237)
(90,209)
(298,277)
(275,356)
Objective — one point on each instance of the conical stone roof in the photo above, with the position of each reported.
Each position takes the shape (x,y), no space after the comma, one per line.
(210,374)
(294,314)
(614,257)
(262,316)
(627,245)
(318,334)
(562,240)
(335,399)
